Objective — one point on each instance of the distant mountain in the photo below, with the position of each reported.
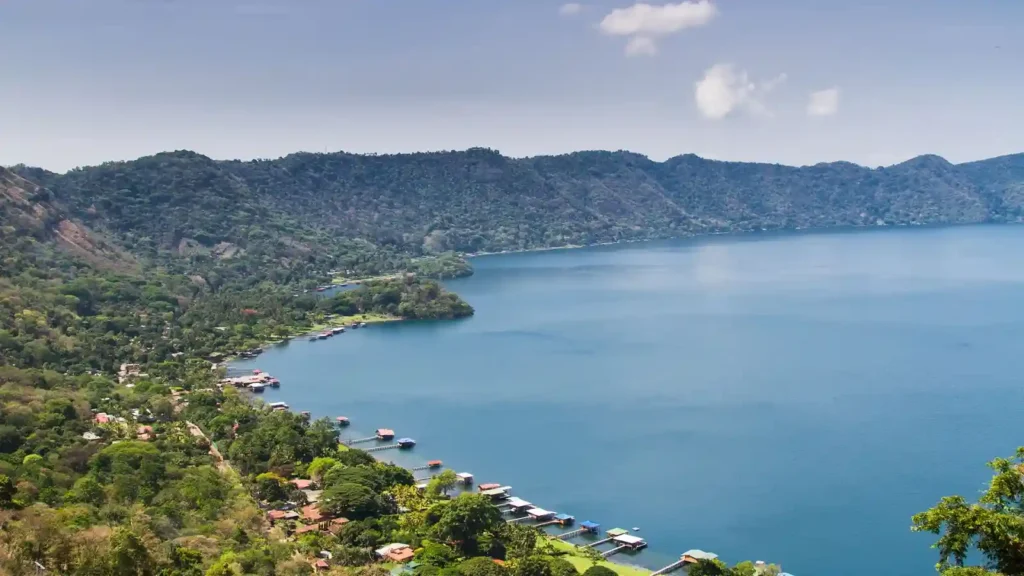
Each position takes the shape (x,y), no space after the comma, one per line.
(299,207)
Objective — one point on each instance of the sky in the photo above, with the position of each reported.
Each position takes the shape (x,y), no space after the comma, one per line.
(785,81)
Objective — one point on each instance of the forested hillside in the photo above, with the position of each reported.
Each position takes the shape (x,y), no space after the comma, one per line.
(171,261)
(307,207)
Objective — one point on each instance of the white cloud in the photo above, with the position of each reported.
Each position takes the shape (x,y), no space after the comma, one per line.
(641,46)
(644,22)
(823,102)
(570,9)
(724,89)
(649,20)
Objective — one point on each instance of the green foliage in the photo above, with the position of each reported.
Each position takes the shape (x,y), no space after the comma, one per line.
(562,567)
(482,566)
(352,501)
(463,520)
(440,485)
(994,525)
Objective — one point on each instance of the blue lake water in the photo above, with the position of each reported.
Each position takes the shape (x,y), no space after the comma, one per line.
(787,398)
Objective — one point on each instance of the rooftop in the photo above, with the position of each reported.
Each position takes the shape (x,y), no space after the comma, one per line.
(628,539)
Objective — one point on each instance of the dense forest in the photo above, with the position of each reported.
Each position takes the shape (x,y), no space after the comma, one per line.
(309,207)
(123,285)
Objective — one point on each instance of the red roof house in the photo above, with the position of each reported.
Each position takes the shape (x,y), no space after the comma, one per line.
(302,483)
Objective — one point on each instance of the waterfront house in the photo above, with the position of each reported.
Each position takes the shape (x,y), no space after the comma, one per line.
(695,556)
(385,434)
(465,477)
(540,514)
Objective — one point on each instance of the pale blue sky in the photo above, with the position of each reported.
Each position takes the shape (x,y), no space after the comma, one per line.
(89,81)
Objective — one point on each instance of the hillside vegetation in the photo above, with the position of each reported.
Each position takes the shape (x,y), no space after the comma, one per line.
(170,261)
(309,207)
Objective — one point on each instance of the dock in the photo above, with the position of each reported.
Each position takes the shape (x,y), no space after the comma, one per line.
(381,448)
(427,466)
(625,542)
(610,535)
(586,527)
(559,519)
(362,440)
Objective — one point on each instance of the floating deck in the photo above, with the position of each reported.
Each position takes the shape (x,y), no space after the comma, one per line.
(466,478)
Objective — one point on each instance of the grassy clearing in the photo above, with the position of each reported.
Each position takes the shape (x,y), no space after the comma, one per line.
(581,563)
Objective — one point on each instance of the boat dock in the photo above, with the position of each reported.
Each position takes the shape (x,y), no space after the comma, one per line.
(586,527)
(559,519)
(610,535)
(404,443)
(625,542)
(428,466)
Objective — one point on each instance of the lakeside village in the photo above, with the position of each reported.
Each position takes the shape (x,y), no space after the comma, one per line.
(561,528)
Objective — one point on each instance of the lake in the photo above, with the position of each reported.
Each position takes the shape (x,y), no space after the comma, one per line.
(792,398)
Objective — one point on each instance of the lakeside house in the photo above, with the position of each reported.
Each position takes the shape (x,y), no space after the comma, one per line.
(301,483)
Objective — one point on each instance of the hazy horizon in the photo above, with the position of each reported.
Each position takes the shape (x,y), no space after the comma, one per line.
(793,82)
(411,153)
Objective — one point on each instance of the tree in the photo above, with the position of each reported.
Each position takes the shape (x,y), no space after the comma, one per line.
(129,556)
(352,501)
(562,567)
(599,571)
(87,491)
(442,483)
(995,525)
(713,567)
(319,466)
(270,487)
(520,541)
(463,520)
(7,491)
(482,566)
(531,566)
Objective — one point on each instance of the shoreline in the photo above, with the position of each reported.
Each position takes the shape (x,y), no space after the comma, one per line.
(747,234)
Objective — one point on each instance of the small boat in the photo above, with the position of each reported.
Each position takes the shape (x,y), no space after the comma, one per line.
(338,330)
(276,405)
(342,421)
(362,324)
(636,528)
(406,442)
(256,388)
(354,325)
(274,383)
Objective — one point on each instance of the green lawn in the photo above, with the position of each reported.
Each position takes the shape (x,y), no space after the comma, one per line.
(581,563)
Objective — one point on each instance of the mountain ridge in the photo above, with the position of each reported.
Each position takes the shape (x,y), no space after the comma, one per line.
(276,213)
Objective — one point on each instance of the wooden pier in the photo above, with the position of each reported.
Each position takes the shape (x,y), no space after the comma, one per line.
(670,568)
(559,519)
(380,448)
(610,535)
(427,466)
(362,440)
